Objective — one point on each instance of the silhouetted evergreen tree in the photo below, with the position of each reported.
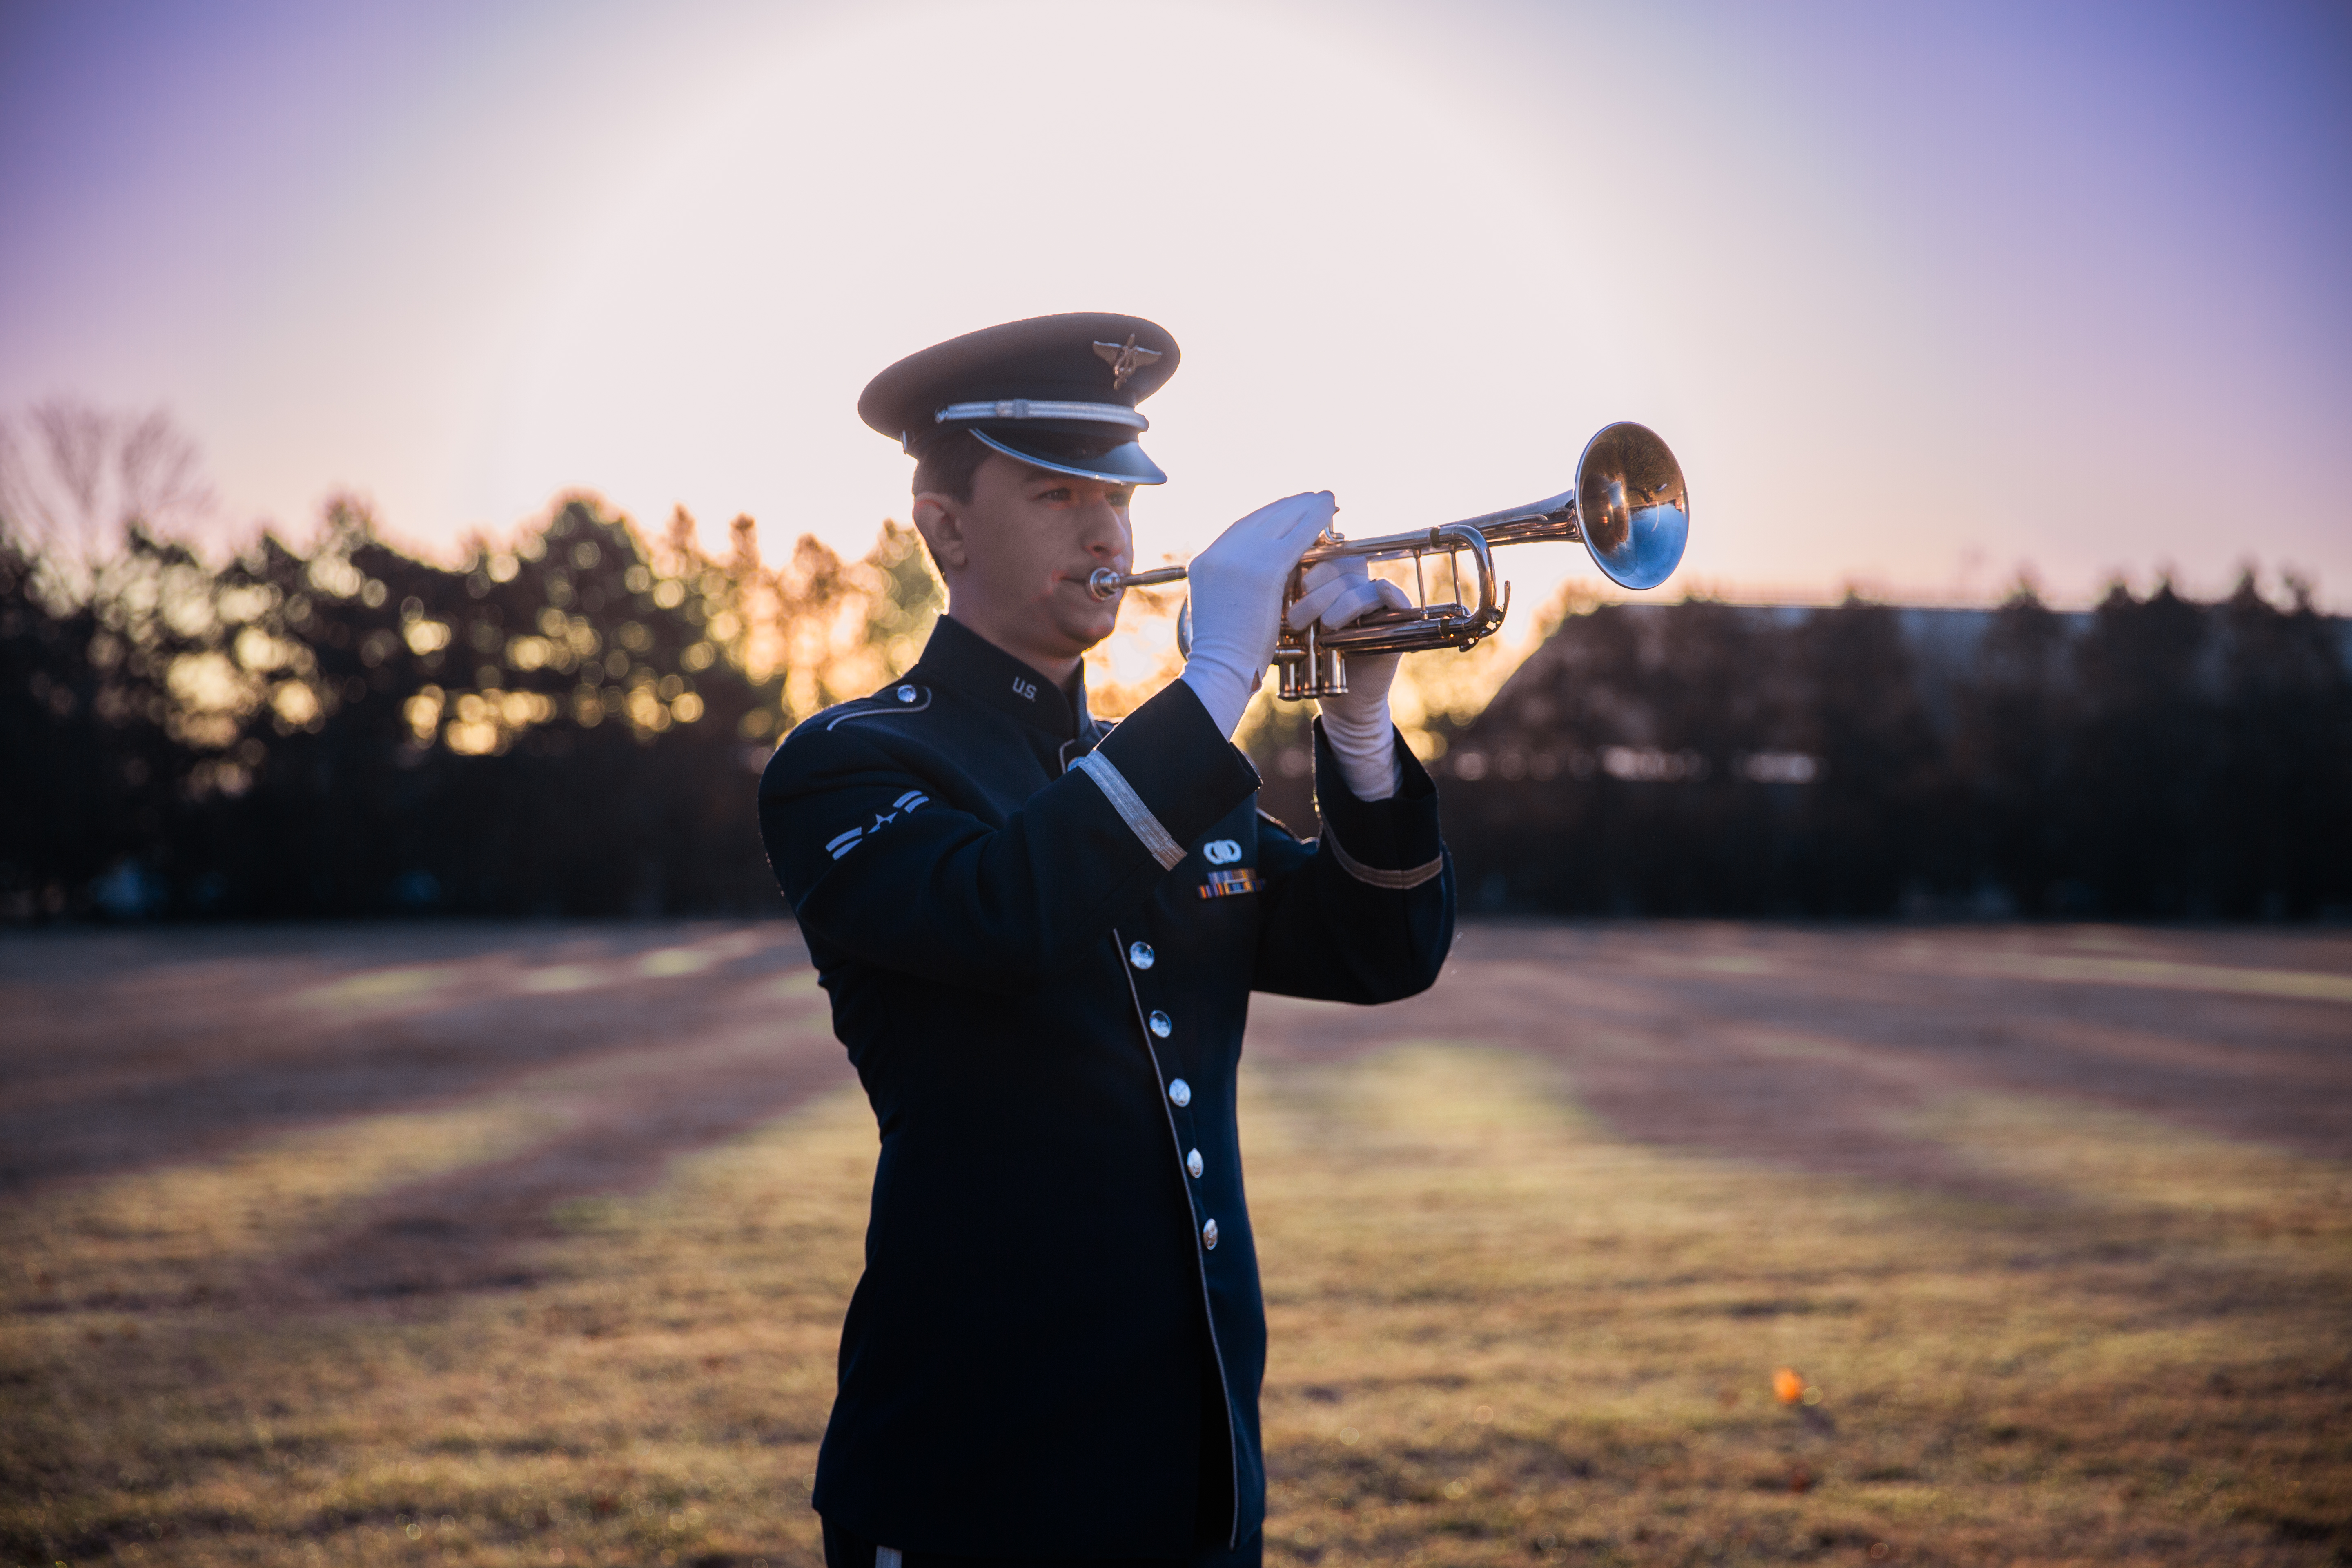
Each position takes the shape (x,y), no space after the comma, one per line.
(2010,757)
(1870,827)
(2276,819)
(94,731)
(2147,701)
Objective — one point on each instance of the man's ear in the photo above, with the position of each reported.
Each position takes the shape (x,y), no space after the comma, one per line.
(940,520)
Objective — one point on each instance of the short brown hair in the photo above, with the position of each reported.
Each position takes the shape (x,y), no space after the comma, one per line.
(947,461)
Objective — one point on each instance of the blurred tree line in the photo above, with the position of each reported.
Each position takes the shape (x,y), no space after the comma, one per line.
(2154,757)
(567,725)
(570,722)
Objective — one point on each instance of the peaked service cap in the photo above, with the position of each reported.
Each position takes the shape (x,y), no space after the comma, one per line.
(1056,391)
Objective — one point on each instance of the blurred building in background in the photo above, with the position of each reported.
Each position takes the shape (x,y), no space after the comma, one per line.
(2153,757)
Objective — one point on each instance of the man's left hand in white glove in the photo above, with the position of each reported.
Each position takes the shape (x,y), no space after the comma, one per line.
(1356,723)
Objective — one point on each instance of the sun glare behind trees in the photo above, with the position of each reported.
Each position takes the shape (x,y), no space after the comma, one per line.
(564,723)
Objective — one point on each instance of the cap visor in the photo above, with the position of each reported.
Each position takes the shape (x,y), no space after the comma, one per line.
(1124,464)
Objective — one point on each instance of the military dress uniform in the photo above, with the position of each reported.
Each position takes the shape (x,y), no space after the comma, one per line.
(1039,933)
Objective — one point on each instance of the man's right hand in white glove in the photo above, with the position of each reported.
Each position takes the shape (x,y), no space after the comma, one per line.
(1356,723)
(1236,586)
(1339,591)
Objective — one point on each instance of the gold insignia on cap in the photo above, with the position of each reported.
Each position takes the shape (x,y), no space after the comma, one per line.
(1124,358)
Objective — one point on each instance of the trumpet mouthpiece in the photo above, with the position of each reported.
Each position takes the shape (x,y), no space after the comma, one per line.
(1104,583)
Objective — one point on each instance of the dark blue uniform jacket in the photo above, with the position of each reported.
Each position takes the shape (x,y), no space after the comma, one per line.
(1040,933)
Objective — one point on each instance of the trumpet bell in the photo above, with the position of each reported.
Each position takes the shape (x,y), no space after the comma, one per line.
(1631,505)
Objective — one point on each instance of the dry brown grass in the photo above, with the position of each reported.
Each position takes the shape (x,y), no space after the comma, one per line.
(654,1396)
(1505,1330)
(1504,1333)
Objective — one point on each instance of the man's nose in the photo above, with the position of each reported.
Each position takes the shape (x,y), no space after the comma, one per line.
(1107,537)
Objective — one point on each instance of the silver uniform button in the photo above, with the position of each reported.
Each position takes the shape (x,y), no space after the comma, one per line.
(1192,1162)
(1160,1026)
(1209,1235)
(1140,955)
(1180,1091)
(906,694)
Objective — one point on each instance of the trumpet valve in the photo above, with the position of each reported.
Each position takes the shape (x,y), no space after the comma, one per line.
(1323,672)
(1331,672)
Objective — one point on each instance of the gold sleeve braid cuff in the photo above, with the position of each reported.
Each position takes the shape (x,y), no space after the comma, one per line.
(1411,877)
(1132,809)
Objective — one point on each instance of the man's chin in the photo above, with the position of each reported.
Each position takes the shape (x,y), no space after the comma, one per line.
(1085,632)
(1082,622)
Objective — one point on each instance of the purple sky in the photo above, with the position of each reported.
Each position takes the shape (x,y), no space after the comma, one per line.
(1921,295)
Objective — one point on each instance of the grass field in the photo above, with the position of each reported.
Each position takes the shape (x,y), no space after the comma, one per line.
(530,1244)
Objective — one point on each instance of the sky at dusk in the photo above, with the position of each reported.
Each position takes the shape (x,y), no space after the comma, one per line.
(1920,295)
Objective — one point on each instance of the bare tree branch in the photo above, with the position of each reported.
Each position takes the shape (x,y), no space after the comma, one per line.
(74,479)
(160,475)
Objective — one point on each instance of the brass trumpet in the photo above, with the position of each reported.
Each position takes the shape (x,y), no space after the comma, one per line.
(1630,507)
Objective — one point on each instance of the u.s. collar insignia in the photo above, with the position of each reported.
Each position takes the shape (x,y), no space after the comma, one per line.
(1124,358)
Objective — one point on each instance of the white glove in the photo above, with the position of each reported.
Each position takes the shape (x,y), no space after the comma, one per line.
(1339,591)
(1357,722)
(1236,585)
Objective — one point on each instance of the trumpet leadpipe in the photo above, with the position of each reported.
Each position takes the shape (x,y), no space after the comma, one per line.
(1107,584)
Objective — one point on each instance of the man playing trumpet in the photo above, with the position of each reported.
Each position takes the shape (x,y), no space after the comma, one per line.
(1040,933)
